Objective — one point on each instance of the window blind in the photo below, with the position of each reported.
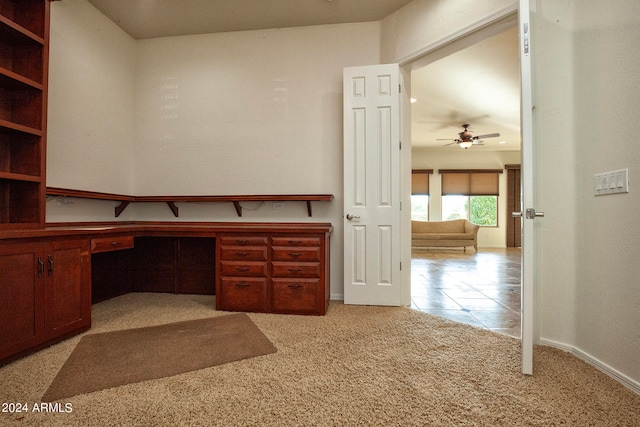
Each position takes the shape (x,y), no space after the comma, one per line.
(420,181)
(470,183)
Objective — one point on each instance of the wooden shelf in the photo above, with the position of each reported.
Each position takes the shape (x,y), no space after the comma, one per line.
(172,200)
(24,53)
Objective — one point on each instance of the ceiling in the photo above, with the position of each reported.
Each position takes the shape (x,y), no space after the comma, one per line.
(161,18)
(478,85)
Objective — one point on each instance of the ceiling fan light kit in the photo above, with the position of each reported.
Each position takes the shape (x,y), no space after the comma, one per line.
(466,138)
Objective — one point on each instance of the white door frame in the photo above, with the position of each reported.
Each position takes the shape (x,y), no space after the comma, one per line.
(493,24)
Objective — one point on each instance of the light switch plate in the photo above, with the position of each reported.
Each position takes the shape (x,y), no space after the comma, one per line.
(611,182)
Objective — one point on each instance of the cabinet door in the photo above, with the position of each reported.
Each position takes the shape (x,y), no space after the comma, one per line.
(67,287)
(21,298)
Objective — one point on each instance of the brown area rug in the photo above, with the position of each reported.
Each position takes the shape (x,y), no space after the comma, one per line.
(111,359)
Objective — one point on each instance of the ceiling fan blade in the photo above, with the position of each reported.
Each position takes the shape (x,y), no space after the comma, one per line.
(451,143)
(489,135)
(445,139)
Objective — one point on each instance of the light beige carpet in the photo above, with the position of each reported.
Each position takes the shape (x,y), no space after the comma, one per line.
(355,366)
(112,359)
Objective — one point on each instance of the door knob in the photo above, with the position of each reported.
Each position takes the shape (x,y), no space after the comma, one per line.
(532,214)
(351,216)
(529,214)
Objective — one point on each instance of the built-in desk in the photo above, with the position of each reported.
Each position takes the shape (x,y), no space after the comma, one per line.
(63,268)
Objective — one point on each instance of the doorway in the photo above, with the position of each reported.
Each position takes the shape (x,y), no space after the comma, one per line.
(484,288)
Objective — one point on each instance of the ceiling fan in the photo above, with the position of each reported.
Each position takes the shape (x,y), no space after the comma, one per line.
(466,138)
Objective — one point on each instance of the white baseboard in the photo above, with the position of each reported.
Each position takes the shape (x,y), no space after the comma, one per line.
(623,379)
(336,297)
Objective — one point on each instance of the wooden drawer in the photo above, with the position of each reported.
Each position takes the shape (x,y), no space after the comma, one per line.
(243,268)
(106,244)
(295,269)
(294,253)
(296,296)
(251,253)
(295,241)
(243,294)
(243,240)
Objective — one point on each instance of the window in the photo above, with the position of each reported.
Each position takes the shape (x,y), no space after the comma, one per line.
(420,207)
(420,194)
(480,210)
(472,195)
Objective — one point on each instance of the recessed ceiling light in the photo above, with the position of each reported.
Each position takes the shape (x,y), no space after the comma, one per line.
(502,142)
(413,100)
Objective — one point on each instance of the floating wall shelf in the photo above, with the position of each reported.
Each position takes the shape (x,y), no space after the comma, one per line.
(172,200)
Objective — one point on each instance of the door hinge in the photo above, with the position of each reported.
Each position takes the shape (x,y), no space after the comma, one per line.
(400,265)
(399,88)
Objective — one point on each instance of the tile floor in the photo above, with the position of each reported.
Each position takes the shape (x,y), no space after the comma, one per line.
(480,289)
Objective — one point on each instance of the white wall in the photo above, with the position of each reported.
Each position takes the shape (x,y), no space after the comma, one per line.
(252,112)
(595,70)
(488,237)
(421,24)
(91,101)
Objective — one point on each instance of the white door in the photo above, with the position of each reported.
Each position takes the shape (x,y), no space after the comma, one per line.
(527,211)
(372,185)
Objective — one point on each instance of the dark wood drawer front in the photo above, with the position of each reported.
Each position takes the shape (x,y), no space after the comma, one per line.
(295,269)
(243,240)
(295,266)
(243,268)
(251,253)
(296,296)
(295,241)
(107,244)
(243,294)
(295,253)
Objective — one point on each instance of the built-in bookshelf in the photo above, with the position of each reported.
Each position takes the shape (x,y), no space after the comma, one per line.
(24,53)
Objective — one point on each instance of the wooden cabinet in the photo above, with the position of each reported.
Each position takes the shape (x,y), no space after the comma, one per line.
(45,293)
(24,45)
(276,273)
(242,271)
(297,275)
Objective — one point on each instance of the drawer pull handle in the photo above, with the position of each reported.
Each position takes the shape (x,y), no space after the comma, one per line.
(295,242)
(295,285)
(295,270)
(242,253)
(242,284)
(50,265)
(116,243)
(242,268)
(40,267)
(294,254)
(242,241)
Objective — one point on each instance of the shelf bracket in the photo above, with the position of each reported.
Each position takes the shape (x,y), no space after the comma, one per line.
(173,208)
(236,205)
(121,207)
(309,207)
